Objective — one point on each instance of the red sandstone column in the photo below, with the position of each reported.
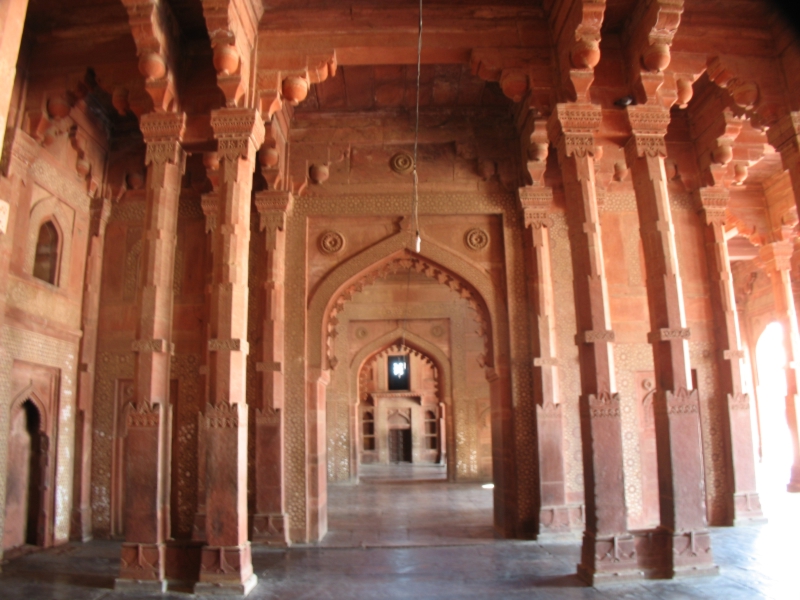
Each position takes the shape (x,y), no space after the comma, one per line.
(554,514)
(147,442)
(270,521)
(81,526)
(608,548)
(226,565)
(12,20)
(745,504)
(677,411)
(777,262)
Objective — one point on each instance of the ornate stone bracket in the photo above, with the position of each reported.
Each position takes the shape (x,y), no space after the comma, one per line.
(648,38)
(155,34)
(575,26)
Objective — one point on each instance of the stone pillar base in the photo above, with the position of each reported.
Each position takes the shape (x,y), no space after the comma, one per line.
(226,571)
(271,529)
(199,527)
(202,588)
(81,526)
(747,509)
(563,522)
(608,560)
(141,564)
(691,554)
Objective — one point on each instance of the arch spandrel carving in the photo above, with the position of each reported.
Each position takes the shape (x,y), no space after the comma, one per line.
(367,266)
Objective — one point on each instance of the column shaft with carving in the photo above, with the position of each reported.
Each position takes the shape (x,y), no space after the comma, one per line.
(744,502)
(81,525)
(776,258)
(147,442)
(608,548)
(226,560)
(554,514)
(679,445)
(270,521)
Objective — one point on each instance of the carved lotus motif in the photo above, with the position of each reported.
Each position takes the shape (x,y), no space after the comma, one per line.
(331,242)
(402,163)
(476,239)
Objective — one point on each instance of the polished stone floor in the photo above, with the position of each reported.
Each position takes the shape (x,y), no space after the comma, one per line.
(432,539)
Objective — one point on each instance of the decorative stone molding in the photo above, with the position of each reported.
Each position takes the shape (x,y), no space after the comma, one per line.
(733,354)
(225,416)
(210,206)
(682,402)
(143,415)
(50,178)
(157,345)
(230,345)
(476,239)
(596,336)
(604,405)
(665,335)
(331,242)
(545,361)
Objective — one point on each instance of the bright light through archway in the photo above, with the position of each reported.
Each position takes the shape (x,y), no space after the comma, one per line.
(775,440)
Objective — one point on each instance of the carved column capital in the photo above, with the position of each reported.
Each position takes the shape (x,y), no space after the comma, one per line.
(273,208)
(777,256)
(536,203)
(239,131)
(163,134)
(572,127)
(648,127)
(713,202)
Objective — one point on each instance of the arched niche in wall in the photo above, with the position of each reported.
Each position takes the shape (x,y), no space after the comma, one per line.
(50,210)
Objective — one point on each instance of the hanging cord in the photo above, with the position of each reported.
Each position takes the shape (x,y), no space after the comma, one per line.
(415,202)
(415,206)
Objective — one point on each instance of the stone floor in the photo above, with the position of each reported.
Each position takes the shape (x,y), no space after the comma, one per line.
(431,539)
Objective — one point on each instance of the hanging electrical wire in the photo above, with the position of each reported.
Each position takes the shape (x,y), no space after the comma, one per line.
(415,205)
(415,201)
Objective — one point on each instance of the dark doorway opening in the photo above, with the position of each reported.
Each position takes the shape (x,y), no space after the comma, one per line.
(400,445)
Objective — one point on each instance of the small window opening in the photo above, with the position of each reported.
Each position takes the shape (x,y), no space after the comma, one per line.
(399,377)
(46,261)
(369,431)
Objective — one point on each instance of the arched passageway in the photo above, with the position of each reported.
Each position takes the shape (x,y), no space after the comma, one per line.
(775,442)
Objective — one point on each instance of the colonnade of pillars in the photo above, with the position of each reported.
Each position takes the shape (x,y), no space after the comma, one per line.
(223,515)
(681,543)
(610,549)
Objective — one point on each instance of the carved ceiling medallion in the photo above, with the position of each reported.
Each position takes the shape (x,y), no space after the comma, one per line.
(331,242)
(476,239)
(402,163)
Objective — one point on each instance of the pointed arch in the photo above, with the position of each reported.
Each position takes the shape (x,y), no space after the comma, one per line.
(390,255)
(413,341)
